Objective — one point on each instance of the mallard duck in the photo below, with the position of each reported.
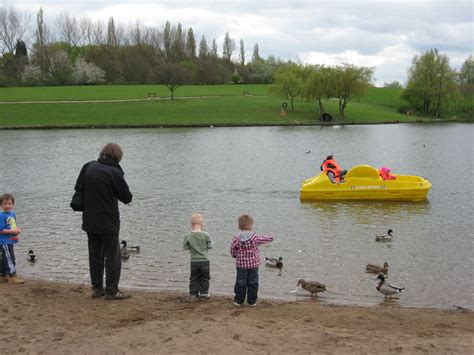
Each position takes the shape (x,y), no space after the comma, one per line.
(274,262)
(32,256)
(132,249)
(377,269)
(384,237)
(387,289)
(311,286)
(124,250)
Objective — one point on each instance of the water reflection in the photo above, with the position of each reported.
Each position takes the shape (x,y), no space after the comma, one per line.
(363,212)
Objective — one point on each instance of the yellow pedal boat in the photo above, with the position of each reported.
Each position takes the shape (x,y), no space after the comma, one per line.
(363,182)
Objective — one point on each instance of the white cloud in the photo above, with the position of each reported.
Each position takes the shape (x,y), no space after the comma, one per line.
(391,63)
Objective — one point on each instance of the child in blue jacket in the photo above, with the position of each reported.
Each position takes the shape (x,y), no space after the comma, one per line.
(9,232)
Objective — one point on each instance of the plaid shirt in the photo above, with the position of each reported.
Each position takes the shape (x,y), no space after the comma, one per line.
(246,252)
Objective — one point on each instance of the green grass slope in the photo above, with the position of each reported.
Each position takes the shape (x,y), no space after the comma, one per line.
(194,105)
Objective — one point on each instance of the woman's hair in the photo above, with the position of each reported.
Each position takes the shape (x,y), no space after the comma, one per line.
(7,197)
(245,222)
(330,157)
(112,151)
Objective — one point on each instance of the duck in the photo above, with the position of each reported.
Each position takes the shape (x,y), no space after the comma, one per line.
(311,286)
(384,237)
(132,249)
(32,256)
(278,263)
(387,289)
(377,269)
(124,250)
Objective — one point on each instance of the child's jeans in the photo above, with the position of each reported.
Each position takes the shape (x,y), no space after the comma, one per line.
(246,284)
(200,276)
(8,259)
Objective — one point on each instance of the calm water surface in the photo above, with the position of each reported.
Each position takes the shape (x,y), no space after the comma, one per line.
(224,172)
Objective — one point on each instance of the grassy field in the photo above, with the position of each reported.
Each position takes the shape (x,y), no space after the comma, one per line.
(194,105)
(388,97)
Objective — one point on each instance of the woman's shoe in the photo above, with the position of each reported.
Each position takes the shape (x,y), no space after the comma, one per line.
(98,292)
(118,296)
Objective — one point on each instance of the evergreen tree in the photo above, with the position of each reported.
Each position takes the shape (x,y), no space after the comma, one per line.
(203,48)
(242,53)
(256,55)
(191,44)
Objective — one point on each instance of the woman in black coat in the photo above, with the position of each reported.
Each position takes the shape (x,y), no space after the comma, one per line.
(103,185)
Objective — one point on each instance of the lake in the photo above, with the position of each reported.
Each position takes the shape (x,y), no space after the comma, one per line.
(225,172)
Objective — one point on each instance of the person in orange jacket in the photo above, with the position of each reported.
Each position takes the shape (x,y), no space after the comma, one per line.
(384,173)
(332,169)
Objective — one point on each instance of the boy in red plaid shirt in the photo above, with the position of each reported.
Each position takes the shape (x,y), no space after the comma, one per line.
(244,248)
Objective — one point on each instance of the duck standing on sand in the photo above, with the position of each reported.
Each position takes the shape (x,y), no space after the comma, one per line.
(124,250)
(387,289)
(274,262)
(311,286)
(377,269)
(384,237)
(32,256)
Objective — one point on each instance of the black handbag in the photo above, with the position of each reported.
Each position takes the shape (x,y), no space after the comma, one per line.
(77,201)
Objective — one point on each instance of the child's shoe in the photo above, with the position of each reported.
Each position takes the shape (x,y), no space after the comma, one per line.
(13,279)
(205,295)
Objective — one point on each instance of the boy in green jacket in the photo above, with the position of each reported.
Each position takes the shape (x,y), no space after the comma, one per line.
(198,243)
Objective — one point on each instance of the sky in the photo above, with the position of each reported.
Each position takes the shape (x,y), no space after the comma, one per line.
(375,33)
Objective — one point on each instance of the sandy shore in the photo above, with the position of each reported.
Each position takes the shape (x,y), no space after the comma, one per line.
(56,318)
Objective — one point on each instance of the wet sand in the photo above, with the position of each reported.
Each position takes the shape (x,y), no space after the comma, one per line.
(59,318)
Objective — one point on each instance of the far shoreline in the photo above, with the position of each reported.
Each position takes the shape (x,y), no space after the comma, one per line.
(318,124)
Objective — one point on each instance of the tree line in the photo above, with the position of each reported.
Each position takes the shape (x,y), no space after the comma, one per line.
(433,87)
(81,51)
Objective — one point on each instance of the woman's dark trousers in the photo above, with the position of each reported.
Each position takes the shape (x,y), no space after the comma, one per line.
(104,253)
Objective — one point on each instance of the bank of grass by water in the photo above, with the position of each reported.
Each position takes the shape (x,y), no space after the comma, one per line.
(218,105)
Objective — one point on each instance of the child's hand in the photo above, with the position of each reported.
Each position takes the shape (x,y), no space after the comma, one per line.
(17,231)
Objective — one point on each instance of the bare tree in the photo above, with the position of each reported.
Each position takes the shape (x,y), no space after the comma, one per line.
(135,35)
(98,33)
(173,76)
(68,29)
(12,28)
(156,41)
(86,33)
